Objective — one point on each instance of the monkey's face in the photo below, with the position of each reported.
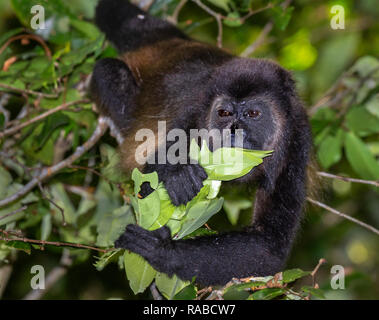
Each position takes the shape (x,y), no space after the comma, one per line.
(247,122)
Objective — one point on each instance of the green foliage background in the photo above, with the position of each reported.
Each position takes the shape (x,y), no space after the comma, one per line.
(337,73)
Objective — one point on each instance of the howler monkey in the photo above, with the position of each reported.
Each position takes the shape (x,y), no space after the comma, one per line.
(162,74)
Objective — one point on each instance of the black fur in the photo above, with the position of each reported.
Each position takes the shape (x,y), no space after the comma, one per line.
(183,91)
(128,27)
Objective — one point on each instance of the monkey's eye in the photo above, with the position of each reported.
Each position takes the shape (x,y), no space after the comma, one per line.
(224,113)
(254,114)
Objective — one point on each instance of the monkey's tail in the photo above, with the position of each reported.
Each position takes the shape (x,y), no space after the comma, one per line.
(130,28)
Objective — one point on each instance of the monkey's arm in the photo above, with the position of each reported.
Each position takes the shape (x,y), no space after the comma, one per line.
(260,250)
(113,88)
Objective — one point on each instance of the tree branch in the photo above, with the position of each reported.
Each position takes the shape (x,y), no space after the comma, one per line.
(40,117)
(174,17)
(50,171)
(10,236)
(343,215)
(348,179)
(262,36)
(218,18)
(26,91)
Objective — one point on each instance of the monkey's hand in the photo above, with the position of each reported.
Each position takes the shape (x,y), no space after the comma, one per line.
(182,181)
(155,246)
(213,260)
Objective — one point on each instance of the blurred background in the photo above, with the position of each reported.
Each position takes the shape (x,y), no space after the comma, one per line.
(337,78)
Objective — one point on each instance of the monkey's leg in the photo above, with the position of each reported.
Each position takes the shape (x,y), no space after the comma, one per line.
(113,88)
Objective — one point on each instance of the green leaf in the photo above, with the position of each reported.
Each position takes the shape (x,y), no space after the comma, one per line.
(233,19)
(226,163)
(267,294)
(187,293)
(138,177)
(372,105)
(5,36)
(111,158)
(360,157)
(112,225)
(75,57)
(20,245)
(294,274)
(249,285)
(5,181)
(138,271)
(167,209)
(200,232)
(234,207)
(147,209)
(106,258)
(330,151)
(234,294)
(22,9)
(314,292)
(282,16)
(46,226)
(214,188)
(86,28)
(223,4)
(366,66)
(61,199)
(361,121)
(169,286)
(199,214)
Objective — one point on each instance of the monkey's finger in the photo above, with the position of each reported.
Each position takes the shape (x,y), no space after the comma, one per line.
(141,233)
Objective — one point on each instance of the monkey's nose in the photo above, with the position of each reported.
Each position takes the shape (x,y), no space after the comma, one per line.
(233,128)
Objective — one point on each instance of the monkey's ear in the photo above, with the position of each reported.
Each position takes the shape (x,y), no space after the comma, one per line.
(113,88)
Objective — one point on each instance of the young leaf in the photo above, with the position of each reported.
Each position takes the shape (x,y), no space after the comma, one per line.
(187,293)
(294,274)
(329,151)
(169,286)
(360,157)
(314,292)
(267,294)
(138,271)
(111,226)
(199,214)
(106,258)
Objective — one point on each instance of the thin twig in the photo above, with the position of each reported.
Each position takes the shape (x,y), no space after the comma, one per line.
(9,236)
(23,208)
(332,210)
(50,171)
(40,117)
(262,36)
(26,91)
(174,17)
(348,179)
(154,292)
(259,41)
(253,12)
(60,209)
(28,37)
(218,18)
(313,273)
